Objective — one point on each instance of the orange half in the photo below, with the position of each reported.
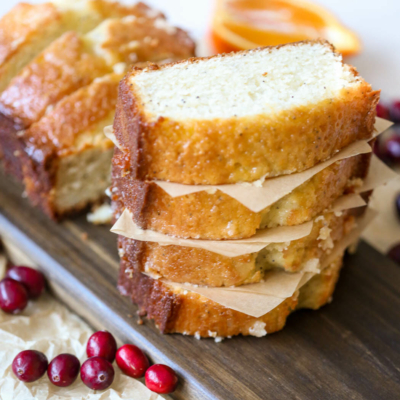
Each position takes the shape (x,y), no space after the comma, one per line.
(246,24)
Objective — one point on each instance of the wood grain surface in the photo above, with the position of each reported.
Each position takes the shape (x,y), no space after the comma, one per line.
(349,349)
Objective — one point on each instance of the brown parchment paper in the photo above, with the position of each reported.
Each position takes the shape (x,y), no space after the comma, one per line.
(384,231)
(125,226)
(48,326)
(379,174)
(109,134)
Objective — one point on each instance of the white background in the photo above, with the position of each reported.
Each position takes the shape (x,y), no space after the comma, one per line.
(377,22)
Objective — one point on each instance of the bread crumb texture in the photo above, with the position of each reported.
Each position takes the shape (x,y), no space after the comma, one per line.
(236,85)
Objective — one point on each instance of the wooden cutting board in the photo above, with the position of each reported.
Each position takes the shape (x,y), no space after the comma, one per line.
(349,349)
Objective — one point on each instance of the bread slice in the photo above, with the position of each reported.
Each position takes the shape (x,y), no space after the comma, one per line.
(28,29)
(203,267)
(181,311)
(241,116)
(218,216)
(74,61)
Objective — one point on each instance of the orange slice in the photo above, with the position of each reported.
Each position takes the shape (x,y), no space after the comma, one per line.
(246,24)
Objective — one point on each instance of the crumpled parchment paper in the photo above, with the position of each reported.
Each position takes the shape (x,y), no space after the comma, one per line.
(48,326)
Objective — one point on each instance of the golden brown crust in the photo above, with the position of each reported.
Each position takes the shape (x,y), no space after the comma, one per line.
(192,314)
(28,29)
(211,151)
(203,267)
(21,24)
(142,40)
(114,9)
(24,22)
(61,69)
(73,61)
(74,114)
(219,216)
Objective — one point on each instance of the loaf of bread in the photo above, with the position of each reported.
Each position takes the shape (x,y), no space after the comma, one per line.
(241,116)
(182,311)
(29,28)
(53,112)
(73,61)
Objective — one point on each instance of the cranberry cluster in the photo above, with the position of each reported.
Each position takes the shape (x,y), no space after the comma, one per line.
(388,150)
(20,285)
(97,372)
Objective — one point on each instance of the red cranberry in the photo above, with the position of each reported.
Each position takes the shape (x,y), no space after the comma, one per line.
(102,344)
(97,373)
(161,379)
(63,370)
(394,253)
(393,148)
(395,111)
(29,365)
(132,361)
(13,296)
(32,279)
(382,111)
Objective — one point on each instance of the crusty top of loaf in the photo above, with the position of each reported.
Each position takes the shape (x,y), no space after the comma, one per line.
(103,9)
(260,81)
(74,61)
(62,68)
(115,9)
(136,39)
(21,23)
(25,21)
(77,121)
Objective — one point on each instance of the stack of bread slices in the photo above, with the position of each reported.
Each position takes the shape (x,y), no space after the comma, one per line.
(238,182)
(60,66)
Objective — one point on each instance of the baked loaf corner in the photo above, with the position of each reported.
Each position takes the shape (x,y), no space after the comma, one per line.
(55,108)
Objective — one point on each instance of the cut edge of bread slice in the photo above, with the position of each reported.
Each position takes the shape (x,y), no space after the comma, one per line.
(222,148)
